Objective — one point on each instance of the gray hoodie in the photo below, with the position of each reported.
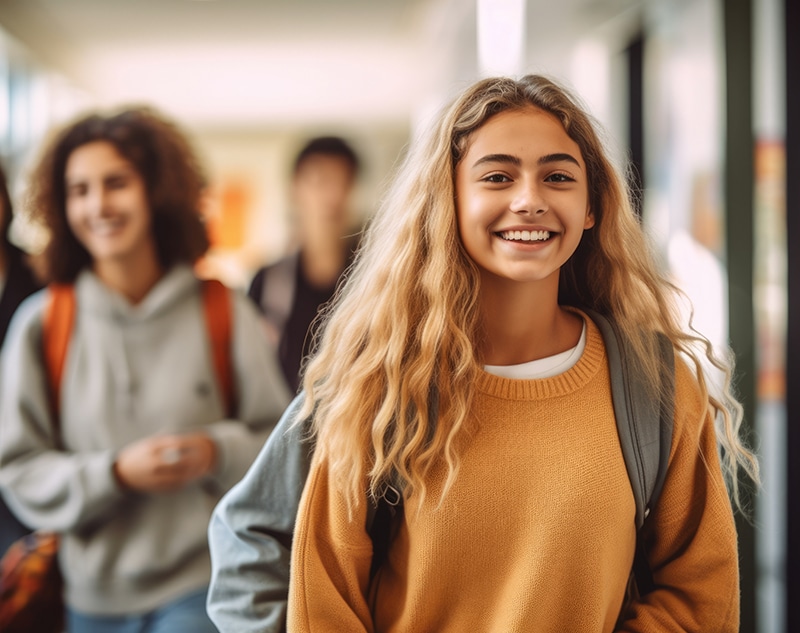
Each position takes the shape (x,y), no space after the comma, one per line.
(130,372)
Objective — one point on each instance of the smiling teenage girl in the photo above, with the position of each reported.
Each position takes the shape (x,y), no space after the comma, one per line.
(145,446)
(459,366)
(501,227)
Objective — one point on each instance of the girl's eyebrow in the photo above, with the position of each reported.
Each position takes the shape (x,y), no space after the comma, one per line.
(516,161)
(557,158)
(498,158)
(116,172)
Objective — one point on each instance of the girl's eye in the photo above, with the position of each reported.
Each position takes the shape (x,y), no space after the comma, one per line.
(76,191)
(496,178)
(117,182)
(559,177)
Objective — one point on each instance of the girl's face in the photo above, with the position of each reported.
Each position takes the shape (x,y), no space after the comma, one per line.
(522,197)
(107,206)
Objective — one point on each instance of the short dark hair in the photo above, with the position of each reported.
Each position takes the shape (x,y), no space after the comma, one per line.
(163,157)
(332,146)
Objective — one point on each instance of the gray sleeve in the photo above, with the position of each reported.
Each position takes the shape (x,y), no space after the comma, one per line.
(262,395)
(251,530)
(45,486)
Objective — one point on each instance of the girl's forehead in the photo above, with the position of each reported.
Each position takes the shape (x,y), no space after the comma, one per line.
(520,130)
(94,155)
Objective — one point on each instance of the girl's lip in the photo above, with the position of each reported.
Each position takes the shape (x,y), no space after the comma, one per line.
(526,227)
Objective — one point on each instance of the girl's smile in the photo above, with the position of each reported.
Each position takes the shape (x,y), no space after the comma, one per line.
(522,197)
(525,237)
(527,234)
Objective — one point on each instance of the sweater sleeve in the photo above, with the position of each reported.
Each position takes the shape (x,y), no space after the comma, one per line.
(331,557)
(261,393)
(691,540)
(46,486)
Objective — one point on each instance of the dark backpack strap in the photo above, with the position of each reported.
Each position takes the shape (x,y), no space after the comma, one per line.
(385,513)
(383,520)
(218,311)
(644,418)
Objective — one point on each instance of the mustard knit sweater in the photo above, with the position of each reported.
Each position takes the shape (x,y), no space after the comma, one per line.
(537,534)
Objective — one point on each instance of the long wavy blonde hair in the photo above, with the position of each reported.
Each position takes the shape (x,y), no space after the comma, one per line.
(403,327)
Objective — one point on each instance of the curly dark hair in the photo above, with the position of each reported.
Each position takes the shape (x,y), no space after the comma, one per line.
(174,182)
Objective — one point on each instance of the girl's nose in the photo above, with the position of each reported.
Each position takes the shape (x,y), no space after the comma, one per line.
(97,201)
(528,201)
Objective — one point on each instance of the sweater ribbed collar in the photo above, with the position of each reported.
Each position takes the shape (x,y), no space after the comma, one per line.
(591,361)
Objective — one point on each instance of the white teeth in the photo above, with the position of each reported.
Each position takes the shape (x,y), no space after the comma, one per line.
(526,236)
(106,227)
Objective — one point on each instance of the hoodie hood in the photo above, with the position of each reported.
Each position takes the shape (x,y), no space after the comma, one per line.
(101,301)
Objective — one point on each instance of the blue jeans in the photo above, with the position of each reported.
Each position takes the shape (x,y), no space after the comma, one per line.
(10,528)
(184,615)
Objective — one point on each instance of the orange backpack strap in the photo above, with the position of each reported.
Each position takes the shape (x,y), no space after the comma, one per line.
(57,323)
(218,310)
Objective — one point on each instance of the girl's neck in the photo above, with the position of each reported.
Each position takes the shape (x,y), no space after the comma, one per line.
(132,279)
(522,323)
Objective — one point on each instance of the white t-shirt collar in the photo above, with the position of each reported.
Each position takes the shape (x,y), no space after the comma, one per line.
(543,367)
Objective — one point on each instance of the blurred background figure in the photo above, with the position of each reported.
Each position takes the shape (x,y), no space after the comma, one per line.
(291,291)
(163,396)
(17,282)
(692,256)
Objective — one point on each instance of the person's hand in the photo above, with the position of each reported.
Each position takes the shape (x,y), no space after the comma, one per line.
(165,462)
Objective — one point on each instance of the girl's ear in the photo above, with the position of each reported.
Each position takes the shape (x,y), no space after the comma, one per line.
(589,222)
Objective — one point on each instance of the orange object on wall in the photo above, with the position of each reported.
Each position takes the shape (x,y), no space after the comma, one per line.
(226,224)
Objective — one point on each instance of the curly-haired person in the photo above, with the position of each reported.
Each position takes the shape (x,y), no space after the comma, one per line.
(128,463)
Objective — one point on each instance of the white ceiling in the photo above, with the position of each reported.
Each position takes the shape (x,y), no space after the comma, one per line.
(244,63)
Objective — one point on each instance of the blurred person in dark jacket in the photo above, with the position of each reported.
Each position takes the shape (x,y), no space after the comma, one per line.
(291,291)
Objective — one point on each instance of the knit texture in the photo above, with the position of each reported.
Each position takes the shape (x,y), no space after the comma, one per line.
(537,533)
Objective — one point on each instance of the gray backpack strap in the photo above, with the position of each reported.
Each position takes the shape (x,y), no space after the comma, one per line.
(666,415)
(277,295)
(644,419)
